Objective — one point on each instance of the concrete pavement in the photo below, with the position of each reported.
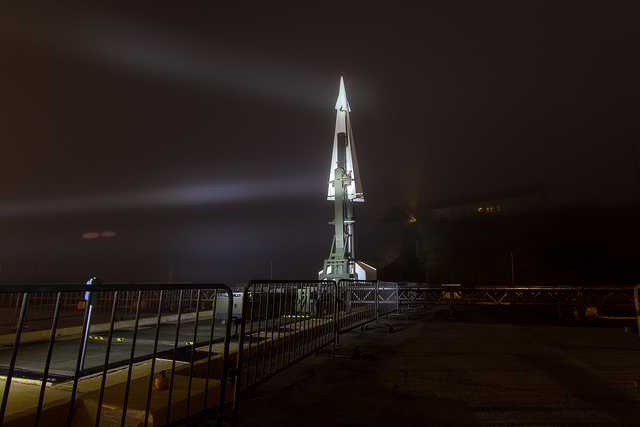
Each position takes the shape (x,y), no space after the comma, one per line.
(431,371)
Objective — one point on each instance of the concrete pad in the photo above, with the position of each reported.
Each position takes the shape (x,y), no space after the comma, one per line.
(117,376)
(23,397)
(23,400)
(112,409)
(429,372)
(72,332)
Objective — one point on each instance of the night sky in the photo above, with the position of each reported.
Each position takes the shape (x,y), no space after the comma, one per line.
(202,137)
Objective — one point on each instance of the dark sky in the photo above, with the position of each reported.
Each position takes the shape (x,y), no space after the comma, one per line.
(202,136)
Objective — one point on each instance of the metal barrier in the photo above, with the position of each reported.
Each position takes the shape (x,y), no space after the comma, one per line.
(42,304)
(356,303)
(282,323)
(360,302)
(158,354)
(286,321)
(114,354)
(387,298)
(618,298)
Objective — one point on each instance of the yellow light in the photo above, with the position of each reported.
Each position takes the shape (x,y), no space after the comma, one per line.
(412,219)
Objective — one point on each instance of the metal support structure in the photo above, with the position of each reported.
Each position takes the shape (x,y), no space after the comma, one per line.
(339,265)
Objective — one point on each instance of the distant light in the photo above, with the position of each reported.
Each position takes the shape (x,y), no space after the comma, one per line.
(90,235)
(412,219)
(490,209)
(108,234)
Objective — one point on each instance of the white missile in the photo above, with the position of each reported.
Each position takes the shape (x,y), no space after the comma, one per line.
(343,124)
(345,188)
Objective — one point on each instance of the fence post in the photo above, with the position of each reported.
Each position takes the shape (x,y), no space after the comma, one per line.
(225,354)
(238,370)
(86,320)
(14,354)
(88,300)
(376,294)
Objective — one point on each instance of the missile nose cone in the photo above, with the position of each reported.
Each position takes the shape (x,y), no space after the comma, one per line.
(342,104)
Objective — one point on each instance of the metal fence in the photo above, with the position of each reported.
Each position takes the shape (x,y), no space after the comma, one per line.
(283,322)
(157,354)
(619,300)
(42,304)
(357,303)
(360,302)
(387,297)
(114,354)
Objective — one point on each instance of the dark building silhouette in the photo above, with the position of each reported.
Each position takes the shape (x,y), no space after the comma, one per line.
(520,240)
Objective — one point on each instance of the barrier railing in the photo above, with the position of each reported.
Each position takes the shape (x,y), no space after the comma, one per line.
(41,305)
(140,354)
(286,321)
(357,303)
(283,322)
(158,354)
(611,298)
(360,302)
(388,301)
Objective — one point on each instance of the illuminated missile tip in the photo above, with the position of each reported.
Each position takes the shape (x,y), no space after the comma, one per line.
(342,104)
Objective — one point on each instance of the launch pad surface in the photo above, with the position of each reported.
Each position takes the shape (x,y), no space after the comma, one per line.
(30,358)
(431,371)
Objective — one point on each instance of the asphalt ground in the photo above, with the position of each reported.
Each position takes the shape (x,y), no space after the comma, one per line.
(479,369)
(31,356)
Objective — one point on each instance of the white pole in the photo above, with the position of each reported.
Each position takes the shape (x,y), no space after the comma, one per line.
(88,300)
